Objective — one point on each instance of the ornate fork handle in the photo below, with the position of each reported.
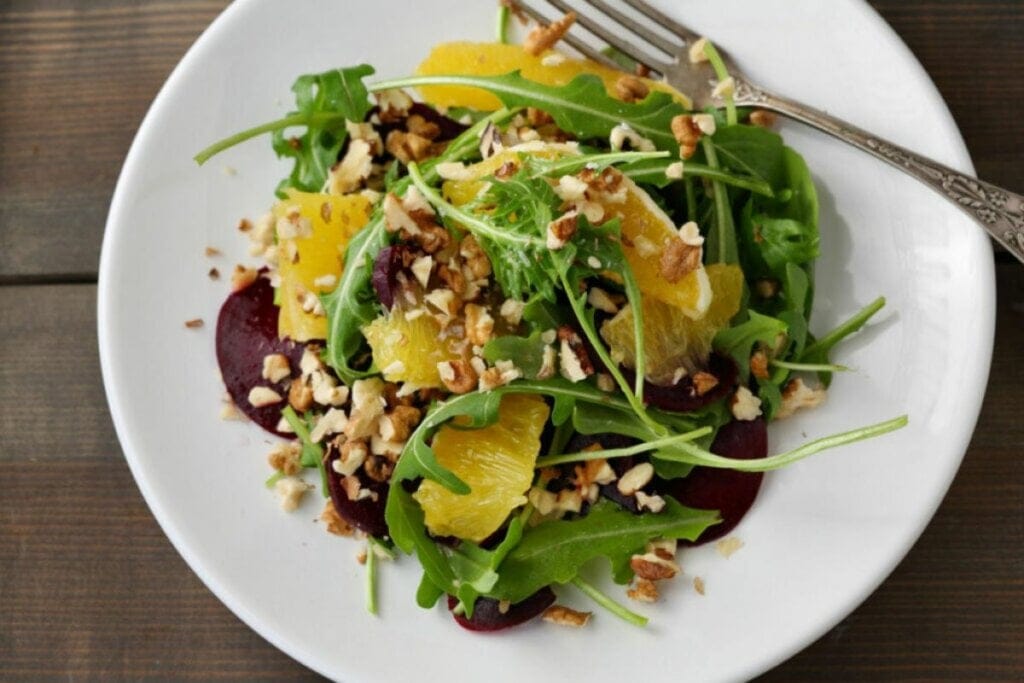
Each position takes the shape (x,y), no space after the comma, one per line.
(1000,212)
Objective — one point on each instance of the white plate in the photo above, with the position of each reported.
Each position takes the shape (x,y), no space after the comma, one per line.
(823,533)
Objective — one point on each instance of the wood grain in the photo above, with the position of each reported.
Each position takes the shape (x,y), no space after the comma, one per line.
(90,586)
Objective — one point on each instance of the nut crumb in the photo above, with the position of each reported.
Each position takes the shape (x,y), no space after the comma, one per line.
(212,251)
(686,133)
(333,521)
(698,585)
(703,382)
(728,546)
(644,591)
(565,616)
(541,37)
(631,89)
(214,274)
(194,324)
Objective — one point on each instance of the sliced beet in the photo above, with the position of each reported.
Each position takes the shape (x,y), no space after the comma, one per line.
(728,491)
(487,615)
(246,333)
(366,514)
(450,128)
(682,397)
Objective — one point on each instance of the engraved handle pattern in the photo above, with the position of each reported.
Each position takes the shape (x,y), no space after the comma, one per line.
(998,211)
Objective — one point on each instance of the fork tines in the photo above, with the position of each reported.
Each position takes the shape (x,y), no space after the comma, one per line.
(623,32)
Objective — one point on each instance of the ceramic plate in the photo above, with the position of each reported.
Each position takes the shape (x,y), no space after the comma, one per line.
(823,534)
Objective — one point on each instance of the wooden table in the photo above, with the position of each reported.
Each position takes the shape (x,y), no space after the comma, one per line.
(90,587)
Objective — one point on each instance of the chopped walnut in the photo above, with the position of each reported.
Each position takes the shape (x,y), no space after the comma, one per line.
(351,455)
(538,117)
(479,324)
(331,422)
(542,38)
(696,51)
(589,476)
(678,260)
(194,323)
(766,288)
(512,311)
(453,279)
(367,407)
(630,89)
(644,591)
(727,546)
(654,503)
(561,230)
(653,567)
(763,118)
(214,274)
(687,134)
(635,478)
(333,521)
(744,405)
(475,258)
(393,105)
(367,133)
(703,382)
(724,88)
(242,277)
(418,125)
(502,373)
(573,361)
(300,396)
(284,457)
(291,490)
(407,147)
(600,299)
(355,167)
(689,233)
(698,585)
(379,468)
(797,395)
(759,364)
(674,171)
(260,397)
(458,376)
(276,367)
(398,424)
(622,134)
(564,616)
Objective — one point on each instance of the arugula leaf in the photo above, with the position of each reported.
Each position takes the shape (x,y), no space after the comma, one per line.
(312,454)
(751,150)
(738,341)
(582,107)
(818,352)
(554,551)
(527,353)
(652,172)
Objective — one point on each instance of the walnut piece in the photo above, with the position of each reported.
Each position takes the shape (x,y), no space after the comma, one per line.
(565,616)
(687,133)
(679,259)
(542,38)
(458,376)
(631,89)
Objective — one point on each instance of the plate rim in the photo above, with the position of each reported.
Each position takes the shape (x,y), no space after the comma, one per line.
(294,649)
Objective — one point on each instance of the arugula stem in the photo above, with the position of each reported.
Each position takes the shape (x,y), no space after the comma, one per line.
(273,479)
(467,220)
(269,127)
(722,73)
(844,330)
(691,197)
(371,578)
(640,352)
(725,240)
(809,367)
(302,432)
(501,30)
(582,456)
(598,345)
(606,602)
(574,164)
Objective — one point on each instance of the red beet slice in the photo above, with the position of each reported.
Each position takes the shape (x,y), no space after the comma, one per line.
(246,333)
(682,397)
(366,514)
(488,617)
(728,491)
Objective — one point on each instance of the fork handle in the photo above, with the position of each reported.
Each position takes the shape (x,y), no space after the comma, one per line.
(1000,212)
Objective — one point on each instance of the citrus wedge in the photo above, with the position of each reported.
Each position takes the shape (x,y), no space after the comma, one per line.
(409,350)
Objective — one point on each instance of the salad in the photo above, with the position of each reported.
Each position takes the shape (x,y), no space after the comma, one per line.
(520,312)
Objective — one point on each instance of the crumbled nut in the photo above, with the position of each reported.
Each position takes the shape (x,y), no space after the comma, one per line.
(548,362)
(564,616)
(333,521)
(609,184)
(591,475)
(242,277)
(542,38)
(605,382)
(379,468)
(644,591)
(453,170)
(644,246)
(275,367)
(421,269)
(552,59)
(689,233)
(214,274)
(630,89)
(686,133)
(512,311)
(653,567)
(561,230)
(458,376)
(293,225)
(623,133)
(309,302)
(393,105)
(263,396)
(571,188)
(284,457)
(635,478)
(674,171)
(599,299)
(678,259)
(762,118)
(367,133)
(300,396)
(420,126)
(398,424)
(706,123)
(229,411)
(351,455)
(453,279)
(479,324)
(490,141)
(744,405)
(444,300)
(407,147)
(703,382)
(475,258)
(194,323)
(283,426)
(353,488)
(665,547)
(724,88)
(244,225)
(797,395)
(212,251)
(291,490)
(502,373)
(326,282)
(654,503)
(367,407)
(355,167)
(331,422)
(766,288)
(696,51)
(698,585)
(538,117)
(432,238)
(727,546)
(574,362)
(759,364)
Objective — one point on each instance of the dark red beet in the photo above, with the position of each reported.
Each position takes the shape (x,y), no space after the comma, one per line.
(730,492)
(450,128)
(683,397)
(246,333)
(389,263)
(488,617)
(366,514)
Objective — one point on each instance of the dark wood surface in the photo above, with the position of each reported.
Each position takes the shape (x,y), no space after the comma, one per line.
(90,587)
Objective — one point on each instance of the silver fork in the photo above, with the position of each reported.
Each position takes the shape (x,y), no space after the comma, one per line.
(1000,212)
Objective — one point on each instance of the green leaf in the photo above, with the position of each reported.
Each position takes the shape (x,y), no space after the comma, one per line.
(751,150)
(582,107)
(652,172)
(341,95)
(738,341)
(526,353)
(554,551)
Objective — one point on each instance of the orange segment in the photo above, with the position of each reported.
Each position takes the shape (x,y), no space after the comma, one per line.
(409,350)
(495,59)
(673,340)
(497,462)
(334,220)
